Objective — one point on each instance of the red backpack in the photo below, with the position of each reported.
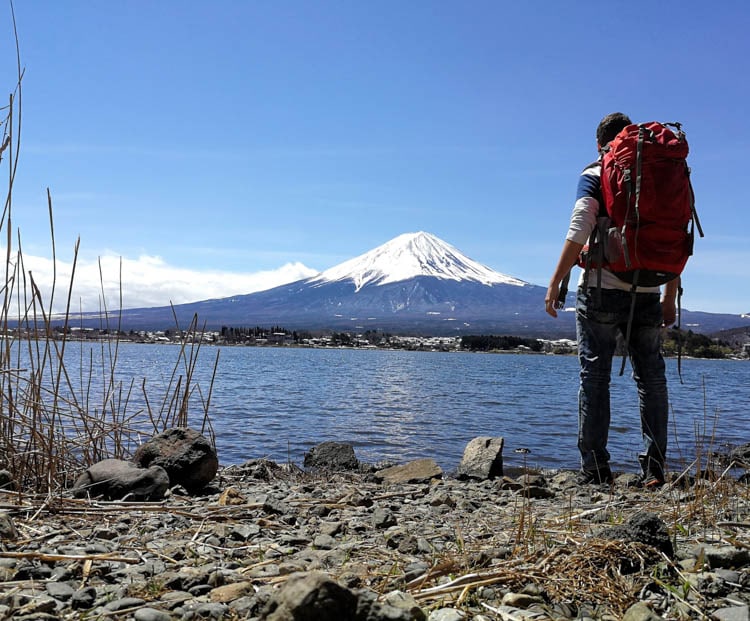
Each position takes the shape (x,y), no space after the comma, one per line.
(650,203)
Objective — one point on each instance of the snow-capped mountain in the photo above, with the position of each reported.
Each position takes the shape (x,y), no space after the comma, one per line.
(413,284)
(411,255)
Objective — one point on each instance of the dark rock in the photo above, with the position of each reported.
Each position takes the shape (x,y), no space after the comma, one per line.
(60,590)
(6,480)
(645,528)
(115,479)
(124,603)
(311,595)
(482,459)
(741,454)
(188,457)
(7,528)
(83,599)
(332,456)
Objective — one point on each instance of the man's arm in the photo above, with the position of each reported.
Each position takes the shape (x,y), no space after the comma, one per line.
(568,258)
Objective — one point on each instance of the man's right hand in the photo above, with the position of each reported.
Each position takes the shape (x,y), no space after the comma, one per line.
(550,300)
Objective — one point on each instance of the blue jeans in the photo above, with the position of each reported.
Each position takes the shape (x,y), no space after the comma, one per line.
(598,322)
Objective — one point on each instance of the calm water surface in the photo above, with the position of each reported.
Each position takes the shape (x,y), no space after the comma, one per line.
(395,405)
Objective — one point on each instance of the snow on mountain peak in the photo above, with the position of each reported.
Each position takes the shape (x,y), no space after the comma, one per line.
(410,255)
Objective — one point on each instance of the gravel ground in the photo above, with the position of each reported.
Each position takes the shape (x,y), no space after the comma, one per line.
(527,546)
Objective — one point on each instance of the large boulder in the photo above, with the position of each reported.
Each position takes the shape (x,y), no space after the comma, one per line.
(331,456)
(188,457)
(482,459)
(115,479)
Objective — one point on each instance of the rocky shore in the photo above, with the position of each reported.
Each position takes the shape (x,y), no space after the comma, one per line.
(278,543)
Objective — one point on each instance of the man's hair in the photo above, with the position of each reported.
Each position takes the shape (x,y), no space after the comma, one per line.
(610,126)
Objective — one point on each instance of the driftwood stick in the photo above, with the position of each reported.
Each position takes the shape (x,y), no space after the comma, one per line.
(52,558)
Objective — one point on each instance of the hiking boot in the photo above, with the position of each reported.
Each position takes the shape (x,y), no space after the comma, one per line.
(647,480)
(595,477)
(652,474)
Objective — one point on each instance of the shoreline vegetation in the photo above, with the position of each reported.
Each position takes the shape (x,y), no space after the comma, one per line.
(676,342)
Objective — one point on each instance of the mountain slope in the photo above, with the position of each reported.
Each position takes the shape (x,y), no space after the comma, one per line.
(415,283)
(411,255)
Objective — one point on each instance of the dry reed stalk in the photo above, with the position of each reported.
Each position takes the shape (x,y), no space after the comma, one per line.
(50,426)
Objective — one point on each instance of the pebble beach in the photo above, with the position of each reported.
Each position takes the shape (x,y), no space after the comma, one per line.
(269,541)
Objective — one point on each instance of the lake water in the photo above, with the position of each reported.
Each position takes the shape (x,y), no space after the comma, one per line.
(397,406)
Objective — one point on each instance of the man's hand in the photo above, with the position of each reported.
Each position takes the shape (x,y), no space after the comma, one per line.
(668,311)
(568,258)
(550,300)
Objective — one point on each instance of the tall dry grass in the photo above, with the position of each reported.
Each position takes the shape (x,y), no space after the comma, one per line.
(54,424)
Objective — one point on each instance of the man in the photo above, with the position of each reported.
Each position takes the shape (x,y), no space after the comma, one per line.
(601,313)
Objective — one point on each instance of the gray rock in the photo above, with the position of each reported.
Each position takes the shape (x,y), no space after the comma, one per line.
(115,479)
(60,590)
(124,603)
(383,518)
(151,614)
(727,557)
(732,613)
(311,595)
(417,471)
(83,599)
(7,528)
(331,456)
(482,459)
(188,457)
(208,611)
(640,612)
(447,614)
(324,542)
(369,609)
(406,603)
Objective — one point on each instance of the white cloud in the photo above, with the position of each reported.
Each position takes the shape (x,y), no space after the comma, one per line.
(148,281)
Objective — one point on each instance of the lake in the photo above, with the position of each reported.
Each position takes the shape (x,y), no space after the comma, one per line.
(397,405)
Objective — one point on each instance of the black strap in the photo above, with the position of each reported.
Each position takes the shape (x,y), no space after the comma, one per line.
(631,314)
(562,294)
(679,333)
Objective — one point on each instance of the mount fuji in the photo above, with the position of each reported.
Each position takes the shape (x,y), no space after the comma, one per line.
(414,284)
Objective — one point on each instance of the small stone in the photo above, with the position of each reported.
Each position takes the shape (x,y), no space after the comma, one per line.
(324,542)
(732,613)
(83,599)
(151,614)
(447,614)
(640,612)
(520,600)
(230,592)
(383,518)
(124,603)
(60,590)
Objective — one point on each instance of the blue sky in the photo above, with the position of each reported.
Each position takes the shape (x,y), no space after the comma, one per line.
(207,149)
